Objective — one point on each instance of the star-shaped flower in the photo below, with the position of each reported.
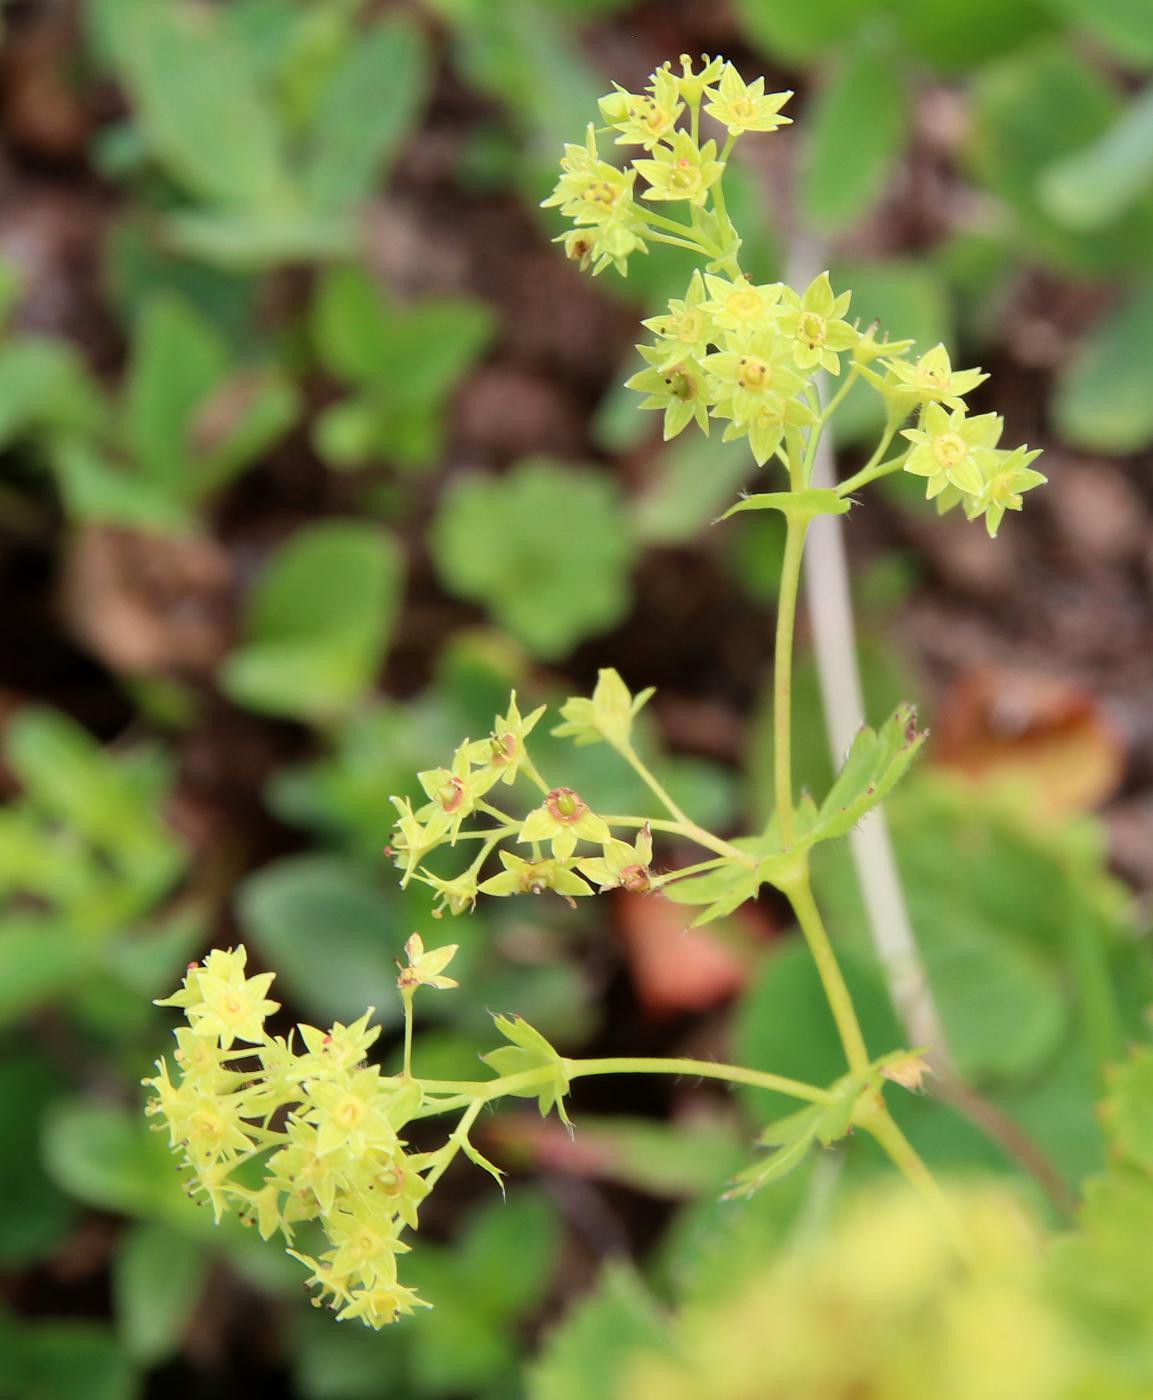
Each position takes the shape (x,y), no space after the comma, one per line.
(745,106)
(948,447)
(814,323)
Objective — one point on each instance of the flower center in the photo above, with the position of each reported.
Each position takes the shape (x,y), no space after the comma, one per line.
(349,1112)
(684,176)
(753,373)
(452,794)
(601,192)
(812,329)
(681,384)
(565,806)
(635,878)
(689,326)
(950,449)
(745,304)
(504,748)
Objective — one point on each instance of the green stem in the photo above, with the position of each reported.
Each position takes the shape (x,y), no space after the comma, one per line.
(661,880)
(687,829)
(485,1091)
(839,397)
(642,770)
(718,188)
(693,247)
(871,473)
(796,530)
(406,994)
(800,896)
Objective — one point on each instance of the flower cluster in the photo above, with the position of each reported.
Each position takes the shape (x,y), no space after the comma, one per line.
(551,833)
(746,354)
(289,1134)
(676,165)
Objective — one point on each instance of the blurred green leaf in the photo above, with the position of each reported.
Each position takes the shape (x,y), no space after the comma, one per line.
(330,932)
(158,1276)
(796,31)
(1090,188)
(1123,25)
(855,134)
(694,480)
(106,1156)
(64,1360)
(317,622)
(1030,111)
(44,387)
(36,1215)
(190,82)
(545,548)
(955,35)
(39,961)
(582,1358)
(1128,1108)
(368,107)
(1102,396)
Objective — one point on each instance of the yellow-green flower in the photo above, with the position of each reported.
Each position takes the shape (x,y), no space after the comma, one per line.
(563,818)
(340,1047)
(745,106)
(932,379)
(692,85)
(453,793)
(457,895)
(682,170)
(621,866)
(645,119)
(606,717)
(687,329)
(589,189)
(767,426)
(814,324)
(680,390)
(1007,476)
(754,370)
(534,877)
(947,449)
(220,1001)
(742,306)
(425,969)
(505,751)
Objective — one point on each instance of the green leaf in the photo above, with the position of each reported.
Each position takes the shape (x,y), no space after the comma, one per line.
(317,622)
(44,386)
(528,1051)
(40,960)
(36,1215)
(1128,1108)
(694,479)
(857,129)
(876,763)
(506,1255)
(956,35)
(107,1157)
(790,1138)
(799,505)
(722,890)
(545,548)
(1102,397)
(1030,111)
(299,912)
(1090,188)
(369,106)
(158,1276)
(798,32)
(585,1358)
(99,491)
(1123,25)
(64,1360)
(190,82)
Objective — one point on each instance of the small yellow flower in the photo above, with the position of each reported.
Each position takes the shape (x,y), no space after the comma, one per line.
(424,969)
(745,106)
(947,449)
(932,379)
(682,170)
